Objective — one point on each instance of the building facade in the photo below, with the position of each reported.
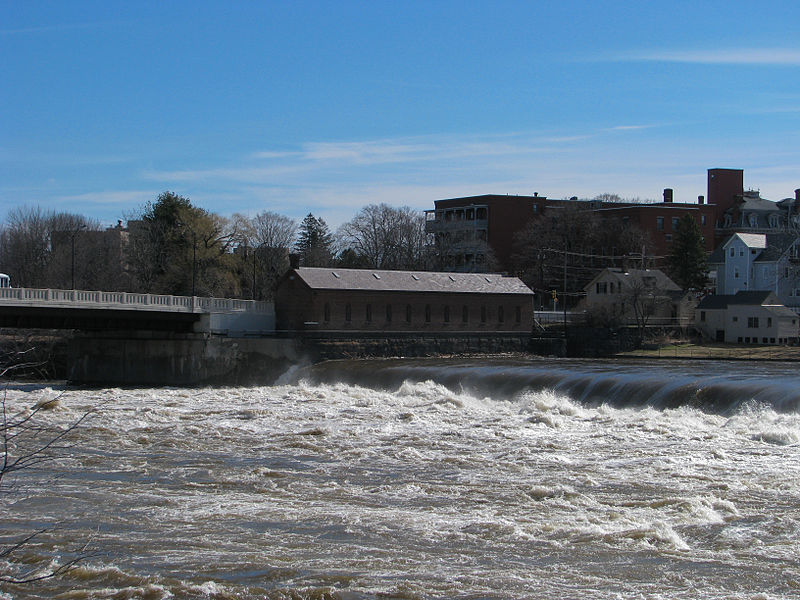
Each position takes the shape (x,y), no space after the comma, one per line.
(759,262)
(474,232)
(751,317)
(470,229)
(638,295)
(365,300)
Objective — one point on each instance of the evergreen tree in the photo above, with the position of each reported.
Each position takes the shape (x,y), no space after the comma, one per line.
(314,243)
(688,262)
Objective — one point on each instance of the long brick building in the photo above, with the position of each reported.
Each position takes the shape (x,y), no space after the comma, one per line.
(357,300)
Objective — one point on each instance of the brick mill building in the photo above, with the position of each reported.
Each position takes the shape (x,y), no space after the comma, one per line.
(359,300)
(471,228)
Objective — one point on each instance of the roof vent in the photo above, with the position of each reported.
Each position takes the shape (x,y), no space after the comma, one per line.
(335,274)
(451,278)
(415,277)
(488,280)
(376,276)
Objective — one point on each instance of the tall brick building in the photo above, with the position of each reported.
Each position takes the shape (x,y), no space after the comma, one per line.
(475,227)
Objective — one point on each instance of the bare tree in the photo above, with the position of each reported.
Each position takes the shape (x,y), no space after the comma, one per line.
(60,250)
(564,248)
(386,237)
(263,244)
(27,442)
(645,299)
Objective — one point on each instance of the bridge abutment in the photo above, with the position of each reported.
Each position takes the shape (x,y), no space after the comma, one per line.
(159,358)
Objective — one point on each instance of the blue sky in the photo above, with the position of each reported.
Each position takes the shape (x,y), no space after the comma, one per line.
(325,107)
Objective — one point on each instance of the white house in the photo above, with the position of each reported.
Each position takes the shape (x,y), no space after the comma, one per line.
(748,262)
(639,293)
(752,317)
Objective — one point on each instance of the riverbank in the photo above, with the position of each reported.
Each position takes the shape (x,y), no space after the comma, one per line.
(714,351)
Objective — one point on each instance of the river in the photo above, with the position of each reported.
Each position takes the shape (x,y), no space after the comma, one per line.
(437,478)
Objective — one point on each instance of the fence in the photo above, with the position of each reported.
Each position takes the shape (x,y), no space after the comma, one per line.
(128,300)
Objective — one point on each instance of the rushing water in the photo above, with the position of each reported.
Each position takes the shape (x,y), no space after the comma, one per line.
(425,479)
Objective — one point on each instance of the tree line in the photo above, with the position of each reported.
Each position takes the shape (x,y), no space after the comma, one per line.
(171,246)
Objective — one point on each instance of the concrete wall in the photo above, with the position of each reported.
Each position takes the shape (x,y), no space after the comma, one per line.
(180,359)
(196,359)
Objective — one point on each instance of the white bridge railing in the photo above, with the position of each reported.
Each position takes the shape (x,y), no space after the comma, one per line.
(128,300)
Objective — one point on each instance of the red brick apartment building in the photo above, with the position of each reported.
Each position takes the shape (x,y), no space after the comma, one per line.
(469,226)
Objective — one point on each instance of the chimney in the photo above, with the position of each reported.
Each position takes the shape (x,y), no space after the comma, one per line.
(797,195)
(667,194)
(701,199)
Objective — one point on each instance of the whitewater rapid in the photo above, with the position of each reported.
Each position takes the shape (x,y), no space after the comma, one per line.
(425,479)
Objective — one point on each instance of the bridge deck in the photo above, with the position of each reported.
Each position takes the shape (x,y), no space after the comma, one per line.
(94,311)
(127,301)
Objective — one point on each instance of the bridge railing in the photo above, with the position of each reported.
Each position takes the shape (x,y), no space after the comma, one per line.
(134,301)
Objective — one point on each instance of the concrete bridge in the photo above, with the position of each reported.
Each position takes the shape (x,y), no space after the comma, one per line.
(121,338)
(124,311)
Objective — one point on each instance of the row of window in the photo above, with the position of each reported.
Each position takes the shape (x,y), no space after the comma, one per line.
(752,322)
(607,287)
(751,219)
(754,340)
(660,222)
(741,251)
(462,214)
(428,310)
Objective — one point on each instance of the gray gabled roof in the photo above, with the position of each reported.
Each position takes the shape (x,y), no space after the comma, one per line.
(629,277)
(750,298)
(410,281)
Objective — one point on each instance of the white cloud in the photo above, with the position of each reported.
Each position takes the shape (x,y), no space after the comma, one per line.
(732,56)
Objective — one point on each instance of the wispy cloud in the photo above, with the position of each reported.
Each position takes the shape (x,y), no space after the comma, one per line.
(375,156)
(56,27)
(631,127)
(731,56)
(125,199)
